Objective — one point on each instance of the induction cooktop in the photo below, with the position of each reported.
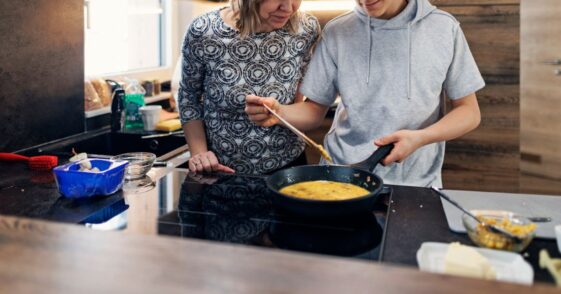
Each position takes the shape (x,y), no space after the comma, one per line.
(239,209)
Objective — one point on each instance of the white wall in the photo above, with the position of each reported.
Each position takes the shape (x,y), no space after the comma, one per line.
(186,11)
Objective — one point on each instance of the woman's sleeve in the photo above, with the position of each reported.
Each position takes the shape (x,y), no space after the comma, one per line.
(463,77)
(313,38)
(192,80)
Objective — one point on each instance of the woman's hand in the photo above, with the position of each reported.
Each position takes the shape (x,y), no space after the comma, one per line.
(258,113)
(207,162)
(405,143)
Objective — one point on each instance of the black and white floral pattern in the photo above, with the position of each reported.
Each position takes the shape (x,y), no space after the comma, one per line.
(220,69)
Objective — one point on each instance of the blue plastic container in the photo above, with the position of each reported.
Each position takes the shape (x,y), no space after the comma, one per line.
(73,183)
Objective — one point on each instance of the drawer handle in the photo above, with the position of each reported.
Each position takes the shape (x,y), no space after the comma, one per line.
(530,157)
(88,13)
(552,62)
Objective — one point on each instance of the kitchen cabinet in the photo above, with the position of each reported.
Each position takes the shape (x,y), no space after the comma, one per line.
(41,72)
(540,81)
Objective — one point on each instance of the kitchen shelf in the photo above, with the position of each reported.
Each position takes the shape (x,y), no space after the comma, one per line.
(147,100)
(99,111)
(156,98)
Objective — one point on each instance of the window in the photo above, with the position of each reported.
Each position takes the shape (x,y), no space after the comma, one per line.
(123,36)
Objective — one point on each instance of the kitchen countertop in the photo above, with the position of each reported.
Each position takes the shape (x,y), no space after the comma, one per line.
(46,257)
(34,194)
(415,214)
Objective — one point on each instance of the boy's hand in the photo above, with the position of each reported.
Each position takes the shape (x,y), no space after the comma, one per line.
(259,114)
(405,141)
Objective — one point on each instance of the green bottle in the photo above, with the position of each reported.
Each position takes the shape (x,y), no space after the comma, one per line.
(134,99)
(133,118)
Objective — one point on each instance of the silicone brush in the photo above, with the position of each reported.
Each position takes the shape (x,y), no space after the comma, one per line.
(37,163)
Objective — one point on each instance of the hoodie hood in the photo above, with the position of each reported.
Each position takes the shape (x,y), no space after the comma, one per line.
(412,13)
(415,11)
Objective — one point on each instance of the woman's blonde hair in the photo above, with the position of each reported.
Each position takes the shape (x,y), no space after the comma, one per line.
(247,17)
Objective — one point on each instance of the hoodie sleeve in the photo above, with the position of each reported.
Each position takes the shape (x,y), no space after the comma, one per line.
(319,83)
(191,82)
(463,77)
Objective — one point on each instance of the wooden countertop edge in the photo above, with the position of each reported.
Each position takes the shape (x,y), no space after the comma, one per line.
(46,257)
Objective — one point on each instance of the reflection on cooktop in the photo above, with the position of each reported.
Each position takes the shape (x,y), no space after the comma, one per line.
(238,209)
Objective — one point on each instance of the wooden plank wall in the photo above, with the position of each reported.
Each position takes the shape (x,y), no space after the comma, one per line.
(540,97)
(487,159)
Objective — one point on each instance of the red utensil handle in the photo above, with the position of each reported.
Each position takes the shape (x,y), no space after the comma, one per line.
(13,157)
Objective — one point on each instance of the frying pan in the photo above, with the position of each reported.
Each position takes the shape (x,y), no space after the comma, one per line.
(358,174)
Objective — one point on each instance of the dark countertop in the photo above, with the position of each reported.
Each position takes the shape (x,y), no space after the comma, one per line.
(415,215)
(35,195)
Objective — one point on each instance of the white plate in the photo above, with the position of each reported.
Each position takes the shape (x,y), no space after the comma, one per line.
(509,266)
(558,233)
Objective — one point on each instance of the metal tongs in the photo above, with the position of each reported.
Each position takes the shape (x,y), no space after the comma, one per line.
(491,227)
(309,141)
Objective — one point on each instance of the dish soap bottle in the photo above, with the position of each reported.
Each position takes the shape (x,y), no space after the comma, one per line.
(117,106)
(134,99)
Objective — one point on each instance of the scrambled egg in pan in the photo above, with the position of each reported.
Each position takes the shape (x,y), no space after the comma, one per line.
(324,190)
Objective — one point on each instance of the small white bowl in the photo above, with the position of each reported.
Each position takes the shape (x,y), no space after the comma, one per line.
(558,233)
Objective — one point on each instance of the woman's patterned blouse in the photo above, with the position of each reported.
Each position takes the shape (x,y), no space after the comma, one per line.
(220,69)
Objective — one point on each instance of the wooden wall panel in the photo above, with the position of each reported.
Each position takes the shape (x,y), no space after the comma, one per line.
(539,184)
(540,127)
(487,159)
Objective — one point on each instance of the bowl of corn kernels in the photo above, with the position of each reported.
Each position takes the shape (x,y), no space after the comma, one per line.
(483,236)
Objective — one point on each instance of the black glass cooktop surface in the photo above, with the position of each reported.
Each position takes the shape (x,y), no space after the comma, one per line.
(239,209)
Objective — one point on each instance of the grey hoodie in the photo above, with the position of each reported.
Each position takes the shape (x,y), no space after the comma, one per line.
(390,74)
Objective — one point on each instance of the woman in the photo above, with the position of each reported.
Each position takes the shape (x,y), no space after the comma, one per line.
(389,60)
(256,47)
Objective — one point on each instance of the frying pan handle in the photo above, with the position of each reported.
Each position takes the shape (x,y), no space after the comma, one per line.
(380,153)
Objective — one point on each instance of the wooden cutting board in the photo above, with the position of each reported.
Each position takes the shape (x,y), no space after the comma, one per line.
(165,115)
(523,204)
